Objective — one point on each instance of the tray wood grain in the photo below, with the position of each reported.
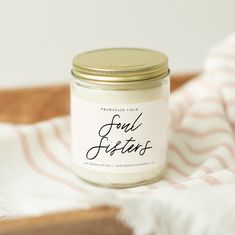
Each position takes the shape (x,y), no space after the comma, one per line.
(35,104)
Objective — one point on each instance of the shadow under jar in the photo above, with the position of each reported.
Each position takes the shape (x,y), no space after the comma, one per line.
(119,116)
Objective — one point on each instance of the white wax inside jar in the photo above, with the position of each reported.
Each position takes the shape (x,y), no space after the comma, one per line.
(106,96)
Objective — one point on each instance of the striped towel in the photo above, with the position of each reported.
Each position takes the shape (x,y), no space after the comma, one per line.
(36,175)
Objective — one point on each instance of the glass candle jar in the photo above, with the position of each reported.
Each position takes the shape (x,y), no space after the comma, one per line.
(119,116)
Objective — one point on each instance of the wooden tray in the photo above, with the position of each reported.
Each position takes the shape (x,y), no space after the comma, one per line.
(27,106)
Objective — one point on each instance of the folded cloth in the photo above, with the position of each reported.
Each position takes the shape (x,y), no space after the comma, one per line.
(196,196)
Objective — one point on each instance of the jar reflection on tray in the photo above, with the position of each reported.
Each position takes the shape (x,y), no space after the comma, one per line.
(119,113)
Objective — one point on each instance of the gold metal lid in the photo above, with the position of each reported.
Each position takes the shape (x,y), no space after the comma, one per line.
(120,65)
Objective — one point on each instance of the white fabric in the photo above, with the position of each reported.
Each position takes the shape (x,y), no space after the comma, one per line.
(196,196)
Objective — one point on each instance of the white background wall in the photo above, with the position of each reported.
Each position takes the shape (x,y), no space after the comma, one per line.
(38,38)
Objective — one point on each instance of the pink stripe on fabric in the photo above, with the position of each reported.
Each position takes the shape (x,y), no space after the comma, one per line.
(211,87)
(59,135)
(174,184)
(210,148)
(29,159)
(211,180)
(176,169)
(178,116)
(205,169)
(205,83)
(222,161)
(49,155)
(228,103)
(152,186)
(232,170)
(219,158)
(175,149)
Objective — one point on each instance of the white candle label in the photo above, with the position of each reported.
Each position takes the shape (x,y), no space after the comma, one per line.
(119,138)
